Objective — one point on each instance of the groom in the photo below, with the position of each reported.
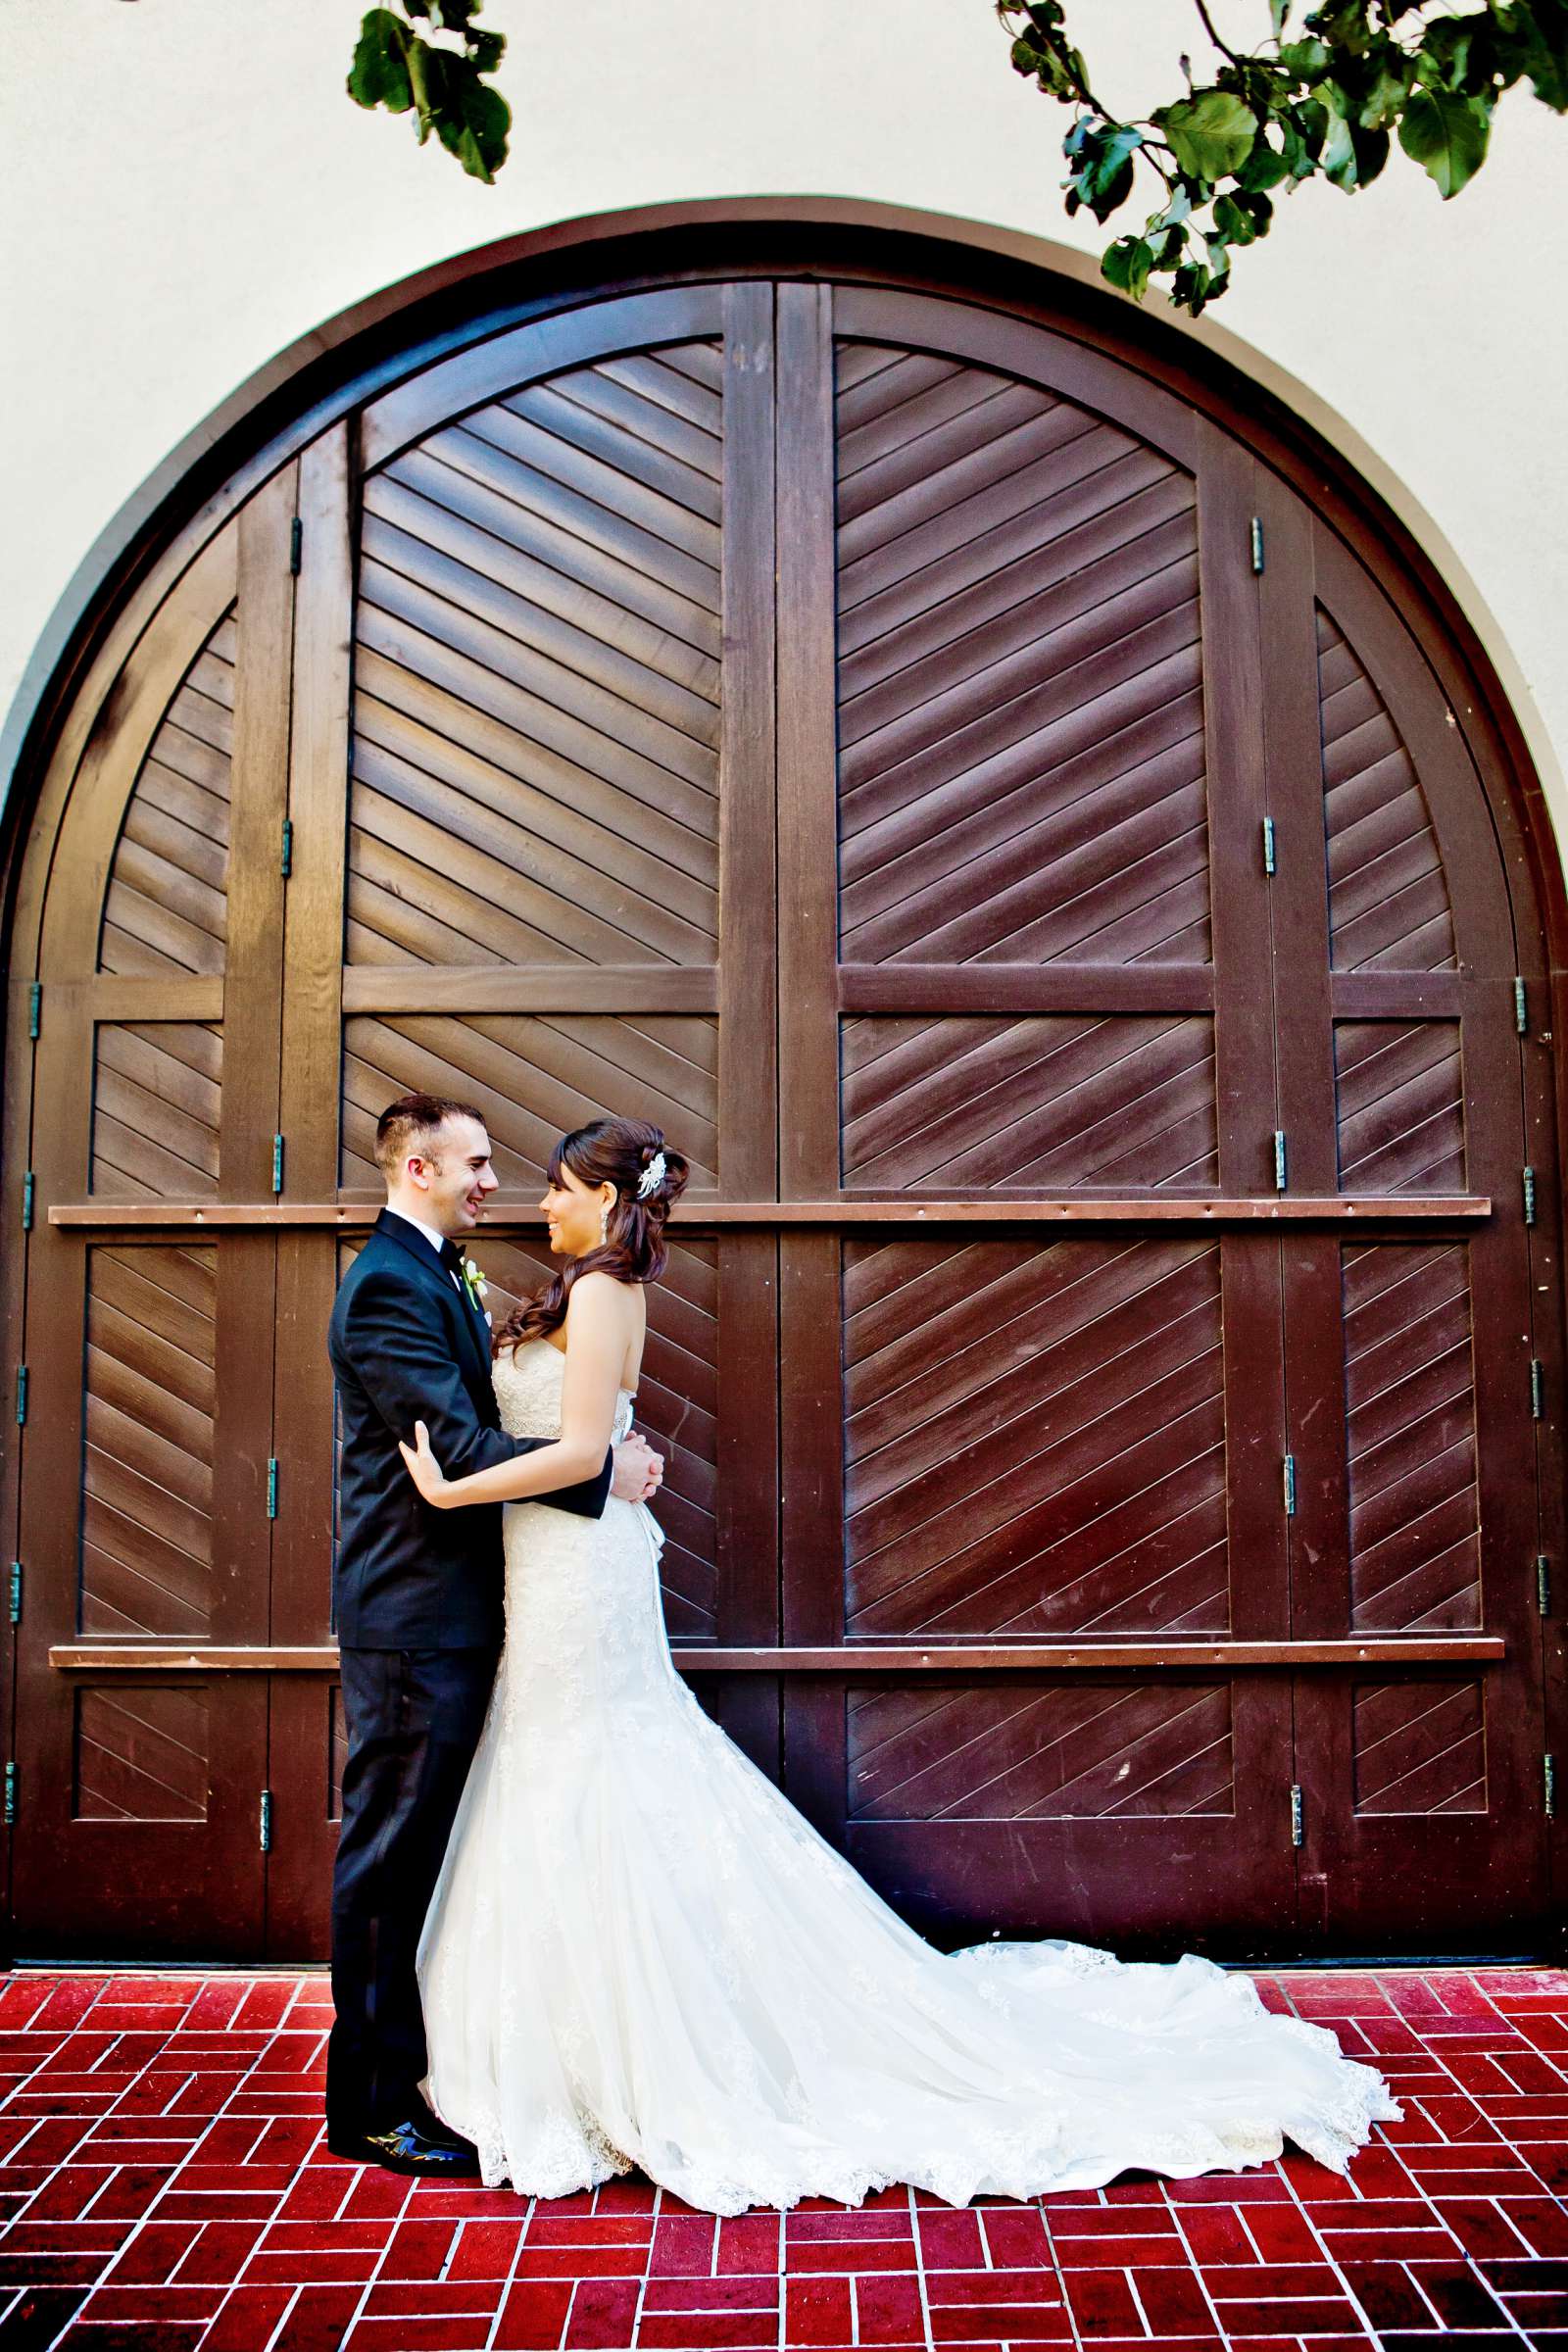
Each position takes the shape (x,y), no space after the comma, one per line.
(418,1602)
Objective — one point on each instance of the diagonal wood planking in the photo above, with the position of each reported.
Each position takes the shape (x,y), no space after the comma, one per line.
(1400,1087)
(1388,895)
(1078,1099)
(536,709)
(166,909)
(156,1110)
(535,1079)
(1419,1748)
(1415,1506)
(146,1547)
(1081,1750)
(142,1753)
(1021,722)
(1035,1440)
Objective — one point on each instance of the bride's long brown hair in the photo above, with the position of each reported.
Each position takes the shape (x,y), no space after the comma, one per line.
(634,1249)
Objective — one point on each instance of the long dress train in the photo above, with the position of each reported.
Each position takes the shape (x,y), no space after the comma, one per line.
(640,1955)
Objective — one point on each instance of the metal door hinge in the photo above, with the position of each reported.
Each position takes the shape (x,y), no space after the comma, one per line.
(27,1188)
(296,542)
(22,1395)
(1290,1486)
(277,1164)
(1543,1585)
(1279,1159)
(1297,1816)
(265,1825)
(1268,845)
(1258,542)
(11,1794)
(15,1592)
(1549,1788)
(1538,1391)
(1526,1179)
(287,861)
(35,1007)
(1521,1016)
(271,1488)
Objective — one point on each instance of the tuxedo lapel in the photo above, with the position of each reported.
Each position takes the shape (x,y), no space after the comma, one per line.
(419,1252)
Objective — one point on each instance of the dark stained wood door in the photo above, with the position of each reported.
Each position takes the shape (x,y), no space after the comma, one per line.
(1156,850)
(1101,1355)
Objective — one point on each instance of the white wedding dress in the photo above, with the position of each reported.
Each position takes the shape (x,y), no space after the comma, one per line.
(639,1954)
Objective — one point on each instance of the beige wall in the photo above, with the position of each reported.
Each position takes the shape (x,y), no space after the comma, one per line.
(216,195)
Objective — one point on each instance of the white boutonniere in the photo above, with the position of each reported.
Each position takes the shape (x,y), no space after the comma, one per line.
(478,1288)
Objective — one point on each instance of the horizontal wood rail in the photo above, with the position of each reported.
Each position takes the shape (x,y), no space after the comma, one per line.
(897,987)
(501,988)
(908,1209)
(853,1658)
(1089,988)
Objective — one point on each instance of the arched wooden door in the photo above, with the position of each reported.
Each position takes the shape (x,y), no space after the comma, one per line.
(1021,855)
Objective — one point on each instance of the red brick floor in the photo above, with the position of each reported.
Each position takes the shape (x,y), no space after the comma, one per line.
(163,2185)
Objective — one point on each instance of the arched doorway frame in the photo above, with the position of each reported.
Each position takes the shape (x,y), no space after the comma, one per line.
(162,566)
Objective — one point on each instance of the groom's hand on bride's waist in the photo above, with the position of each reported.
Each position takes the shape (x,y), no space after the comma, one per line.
(637,1471)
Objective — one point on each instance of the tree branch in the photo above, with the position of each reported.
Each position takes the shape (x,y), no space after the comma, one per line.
(1209,27)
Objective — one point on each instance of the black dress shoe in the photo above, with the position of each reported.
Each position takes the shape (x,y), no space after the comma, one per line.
(406,2149)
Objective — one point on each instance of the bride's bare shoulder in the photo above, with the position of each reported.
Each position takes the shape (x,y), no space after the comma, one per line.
(599,1298)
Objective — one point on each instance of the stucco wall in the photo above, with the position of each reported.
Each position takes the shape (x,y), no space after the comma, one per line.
(187,189)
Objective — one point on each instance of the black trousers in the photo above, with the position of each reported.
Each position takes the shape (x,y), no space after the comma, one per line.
(413,1719)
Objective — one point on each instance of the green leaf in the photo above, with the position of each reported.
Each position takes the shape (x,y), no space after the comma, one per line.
(1264,168)
(486,49)
(1448,136)
(475,122)
(1127,264)
(380,74)
(1337,162)
(1446,51)
(1190,287)
(1211,134)
(1298,162)
(1532,39)
(1382,100)
(1307,60)
(1102,156)
(1235,227)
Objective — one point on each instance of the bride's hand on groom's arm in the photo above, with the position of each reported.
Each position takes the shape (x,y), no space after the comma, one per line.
(424,1468)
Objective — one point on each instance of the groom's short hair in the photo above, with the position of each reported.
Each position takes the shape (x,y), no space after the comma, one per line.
(412,1124)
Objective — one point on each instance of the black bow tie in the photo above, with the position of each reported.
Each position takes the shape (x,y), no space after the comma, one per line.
(452,1259)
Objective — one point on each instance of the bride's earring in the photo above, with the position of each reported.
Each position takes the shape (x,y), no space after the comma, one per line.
(603,1225)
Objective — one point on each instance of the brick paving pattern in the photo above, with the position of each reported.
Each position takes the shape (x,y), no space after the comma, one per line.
(165,2187)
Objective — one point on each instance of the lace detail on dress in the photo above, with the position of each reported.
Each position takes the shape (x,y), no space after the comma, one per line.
(640,1953)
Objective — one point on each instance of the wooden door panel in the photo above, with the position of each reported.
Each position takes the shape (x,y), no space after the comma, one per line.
(537,707)
(951,1105)
(1388,904)
(1414,1503)
(1399,1100)
(1123,1809)
(535,1079)
(1020,717)
(1042,1454)
(157,1103)
(166,909)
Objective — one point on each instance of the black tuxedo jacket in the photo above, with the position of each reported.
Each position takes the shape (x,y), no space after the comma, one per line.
(409,1345)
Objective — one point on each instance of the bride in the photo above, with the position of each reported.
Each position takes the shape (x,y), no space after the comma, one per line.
(638,1953)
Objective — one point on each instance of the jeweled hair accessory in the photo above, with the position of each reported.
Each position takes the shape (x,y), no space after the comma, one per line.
(651,1177)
